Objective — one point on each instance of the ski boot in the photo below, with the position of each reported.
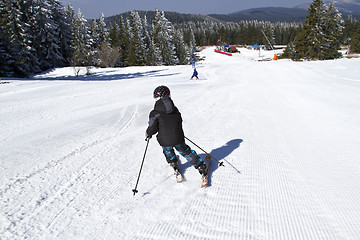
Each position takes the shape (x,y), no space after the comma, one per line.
(203,168)
(175,166)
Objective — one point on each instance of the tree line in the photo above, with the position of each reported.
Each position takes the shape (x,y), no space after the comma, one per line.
(34,36)
(241,33)
(141,42)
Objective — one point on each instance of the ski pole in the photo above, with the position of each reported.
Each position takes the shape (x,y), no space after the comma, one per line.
(147,144)
(220,163)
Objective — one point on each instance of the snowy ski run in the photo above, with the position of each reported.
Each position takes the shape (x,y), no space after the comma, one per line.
(287,132)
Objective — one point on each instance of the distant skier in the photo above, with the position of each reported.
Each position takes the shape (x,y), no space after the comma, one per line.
(195,74)
(193,60)
(166,121)
(294,55)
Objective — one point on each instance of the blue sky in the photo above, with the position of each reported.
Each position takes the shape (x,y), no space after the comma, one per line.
(94,8)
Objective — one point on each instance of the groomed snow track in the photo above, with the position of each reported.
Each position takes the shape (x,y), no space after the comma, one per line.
(288,134)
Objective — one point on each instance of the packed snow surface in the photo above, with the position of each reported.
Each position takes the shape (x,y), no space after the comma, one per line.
(288,133)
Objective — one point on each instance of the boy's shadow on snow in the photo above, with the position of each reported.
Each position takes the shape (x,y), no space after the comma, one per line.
(220,154)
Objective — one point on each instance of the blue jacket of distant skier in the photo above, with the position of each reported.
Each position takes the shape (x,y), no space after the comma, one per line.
(195,74)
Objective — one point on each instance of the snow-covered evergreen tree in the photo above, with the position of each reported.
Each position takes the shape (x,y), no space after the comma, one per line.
(95,34)
(136,53)
(320,38)
(98,32)
(333,29)
(6,55)
(152,56)
(47,34)
(181,50)
(192,42)
(81,41)
(162,34)
(35,36)
(15,35)
(145,33)
(29,53)
(114,35)
(124,36)
(65,32)
(61,32)
(103,31)
(309,43)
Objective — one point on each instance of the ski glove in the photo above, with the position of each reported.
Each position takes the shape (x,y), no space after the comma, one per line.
(147,136)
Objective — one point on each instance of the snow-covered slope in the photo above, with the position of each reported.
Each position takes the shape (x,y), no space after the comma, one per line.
(288,133)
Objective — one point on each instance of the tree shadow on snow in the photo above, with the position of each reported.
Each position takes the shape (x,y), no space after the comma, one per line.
(105,75)
(220,154)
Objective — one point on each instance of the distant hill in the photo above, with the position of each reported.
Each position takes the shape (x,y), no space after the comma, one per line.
(279,14)
(173,17)
(346,7)
(271,14)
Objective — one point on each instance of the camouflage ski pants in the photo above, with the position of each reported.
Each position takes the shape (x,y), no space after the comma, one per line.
(185,151)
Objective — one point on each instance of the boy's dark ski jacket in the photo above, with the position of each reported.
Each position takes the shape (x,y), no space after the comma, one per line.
(166,120)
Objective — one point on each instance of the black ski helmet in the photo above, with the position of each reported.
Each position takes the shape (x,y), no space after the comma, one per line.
(161,91)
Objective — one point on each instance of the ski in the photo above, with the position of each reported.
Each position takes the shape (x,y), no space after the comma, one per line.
(205,179)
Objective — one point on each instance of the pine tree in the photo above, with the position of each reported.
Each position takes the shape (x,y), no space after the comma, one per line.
(333,33)
(29,53)
(321,34)
(13,34)
(192,42)
(95,34)
(48,32)
(98,32)
(145,32)
(136,54)
(124,36)
(309,43)
(6,55)
(65,33)
(103,31)
(162,35)
(81,42)
(151,55)
(61,33)
(355,39)
(181,50)
(114,35)
(349,28)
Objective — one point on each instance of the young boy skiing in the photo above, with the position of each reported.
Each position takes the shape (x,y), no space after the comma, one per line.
(195,74)
(166,121)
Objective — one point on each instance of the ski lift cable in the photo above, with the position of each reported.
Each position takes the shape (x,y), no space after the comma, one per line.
(268,41)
